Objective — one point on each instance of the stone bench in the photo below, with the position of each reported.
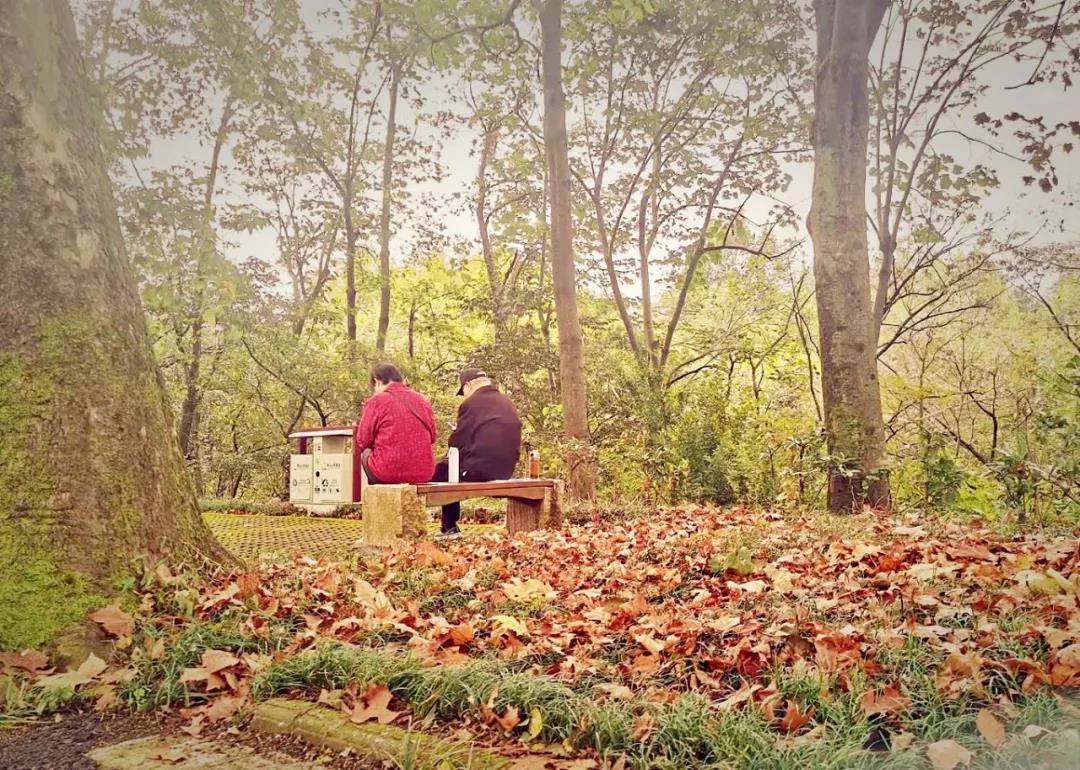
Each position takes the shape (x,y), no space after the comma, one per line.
(392,511)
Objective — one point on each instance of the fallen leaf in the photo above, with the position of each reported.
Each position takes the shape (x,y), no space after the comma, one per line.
(27,660)
(114,620)
(504,623)
(462,634)
(173,756)
(536,723)
(795,718)
(617,691)
(224,707)
(90,670)
(643,726)
(1070,656)
(948,754)
(1035,732)
(650,643)
(107,700)
(376,706)
(888,700)
(218,660)
(509,720)
(194,728)
(645,664)
(524,591)
(990,728)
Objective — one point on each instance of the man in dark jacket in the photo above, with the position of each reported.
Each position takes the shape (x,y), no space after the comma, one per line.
(487,437)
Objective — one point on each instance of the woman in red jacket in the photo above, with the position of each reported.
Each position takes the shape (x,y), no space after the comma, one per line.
(396,432)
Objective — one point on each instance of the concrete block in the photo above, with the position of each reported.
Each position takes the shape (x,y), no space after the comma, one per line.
(326,728)
(392,511)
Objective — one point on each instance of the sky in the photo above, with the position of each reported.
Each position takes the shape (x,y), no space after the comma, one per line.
(1051,217)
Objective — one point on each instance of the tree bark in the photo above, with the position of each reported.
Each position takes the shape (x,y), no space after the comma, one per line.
(850,390)
(582,466)
(189,410)
(487,152)
(90,470)
(351,236)
(384,219)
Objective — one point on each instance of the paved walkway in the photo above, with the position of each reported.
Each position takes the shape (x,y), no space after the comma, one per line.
(250,537)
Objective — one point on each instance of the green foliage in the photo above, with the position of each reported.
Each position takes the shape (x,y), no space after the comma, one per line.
(979,387)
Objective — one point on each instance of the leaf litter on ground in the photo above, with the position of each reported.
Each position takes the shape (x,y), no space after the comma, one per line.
(708,602)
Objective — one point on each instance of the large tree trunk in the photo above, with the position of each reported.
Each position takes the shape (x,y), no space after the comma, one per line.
(852,399)
(582,480)
(384,219)
(90,470)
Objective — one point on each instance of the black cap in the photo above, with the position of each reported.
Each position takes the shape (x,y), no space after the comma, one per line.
(468,375)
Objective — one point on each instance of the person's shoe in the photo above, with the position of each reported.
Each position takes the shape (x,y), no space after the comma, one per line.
(452,534)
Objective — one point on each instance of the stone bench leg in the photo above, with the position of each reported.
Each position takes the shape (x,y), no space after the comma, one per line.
(530,515)
(392,511)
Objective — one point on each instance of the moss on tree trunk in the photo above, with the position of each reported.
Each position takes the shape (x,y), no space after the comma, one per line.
(90,472)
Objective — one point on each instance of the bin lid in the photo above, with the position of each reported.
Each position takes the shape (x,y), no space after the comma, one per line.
(329,430)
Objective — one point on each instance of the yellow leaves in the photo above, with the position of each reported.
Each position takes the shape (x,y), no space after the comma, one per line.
(367,595)
(508,623)
(536,723)
(1049,583)
(947,755)
(739,562)
(526,591)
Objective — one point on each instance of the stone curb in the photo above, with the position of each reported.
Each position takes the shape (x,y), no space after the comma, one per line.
(329,729)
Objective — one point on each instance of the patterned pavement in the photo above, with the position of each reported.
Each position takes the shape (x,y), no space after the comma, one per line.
(250,537)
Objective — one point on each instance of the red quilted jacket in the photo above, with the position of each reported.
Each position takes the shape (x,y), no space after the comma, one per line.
(398,425)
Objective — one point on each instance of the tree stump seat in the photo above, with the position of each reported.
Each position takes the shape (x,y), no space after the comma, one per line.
(392,511)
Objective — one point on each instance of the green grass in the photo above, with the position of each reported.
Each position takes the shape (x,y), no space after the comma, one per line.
(689,732)
(157,682)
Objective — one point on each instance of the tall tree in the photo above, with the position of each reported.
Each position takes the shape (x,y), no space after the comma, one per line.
(851,392)
(91,473)
(563,268)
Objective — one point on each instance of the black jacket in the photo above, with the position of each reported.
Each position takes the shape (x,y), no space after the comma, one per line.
(487,436)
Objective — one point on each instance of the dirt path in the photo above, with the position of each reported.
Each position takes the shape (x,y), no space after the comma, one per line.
(61,744)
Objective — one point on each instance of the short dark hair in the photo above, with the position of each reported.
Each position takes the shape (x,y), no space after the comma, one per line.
(385,372)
